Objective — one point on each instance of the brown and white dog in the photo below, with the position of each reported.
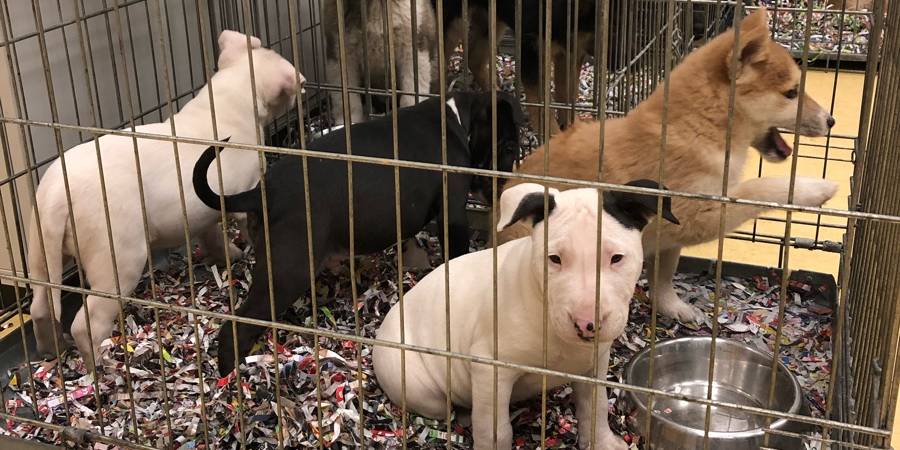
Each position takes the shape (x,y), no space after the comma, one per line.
(766,99)
(277,83)
(366,48)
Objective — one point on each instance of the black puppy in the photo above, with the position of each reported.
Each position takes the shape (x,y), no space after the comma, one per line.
(419,129)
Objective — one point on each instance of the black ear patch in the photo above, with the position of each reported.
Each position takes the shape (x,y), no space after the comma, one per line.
(636,210)
(750,50)
(532,205)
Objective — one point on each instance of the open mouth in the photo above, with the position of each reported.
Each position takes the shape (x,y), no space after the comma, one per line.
(772,146)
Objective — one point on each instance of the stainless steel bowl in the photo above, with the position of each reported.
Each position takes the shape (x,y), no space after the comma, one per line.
(741,376)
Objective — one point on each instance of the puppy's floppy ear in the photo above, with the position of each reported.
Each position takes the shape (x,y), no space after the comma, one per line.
(479,126)
(509,106)
(636,210)
(510,119)
(524,202)
(232,45)
(281,84)
(752,44)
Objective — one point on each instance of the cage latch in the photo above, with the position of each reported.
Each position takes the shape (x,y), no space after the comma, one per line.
(812,244)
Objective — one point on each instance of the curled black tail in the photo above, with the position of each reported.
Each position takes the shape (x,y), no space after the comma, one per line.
(247,201)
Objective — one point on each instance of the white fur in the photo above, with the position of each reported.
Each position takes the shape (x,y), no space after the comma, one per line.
(452,104)
(571,297)
(276,85)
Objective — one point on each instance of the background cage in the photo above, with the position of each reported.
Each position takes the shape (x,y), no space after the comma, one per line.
(74,69)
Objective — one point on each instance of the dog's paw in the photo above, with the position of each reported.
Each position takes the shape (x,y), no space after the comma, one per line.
(604,440)
(672,306)
(235,253)
(46,346)
(813,191)
(217,258)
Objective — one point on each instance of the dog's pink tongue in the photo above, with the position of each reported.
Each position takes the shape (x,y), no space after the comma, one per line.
(781,145)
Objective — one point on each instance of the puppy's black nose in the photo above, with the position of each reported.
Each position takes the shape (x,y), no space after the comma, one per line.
(590,326)
(830,121)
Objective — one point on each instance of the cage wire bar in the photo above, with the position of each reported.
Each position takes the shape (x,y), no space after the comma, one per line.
(874,281)
(652,36)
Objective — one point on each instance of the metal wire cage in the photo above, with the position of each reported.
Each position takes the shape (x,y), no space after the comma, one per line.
(72,71)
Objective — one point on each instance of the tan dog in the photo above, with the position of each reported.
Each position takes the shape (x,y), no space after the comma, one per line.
(766,98)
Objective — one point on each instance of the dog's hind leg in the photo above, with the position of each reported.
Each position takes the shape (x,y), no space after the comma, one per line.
(290,267)
(566,71)
(131,260)
(48,270)
(531,82)
(479,55)
(422,395)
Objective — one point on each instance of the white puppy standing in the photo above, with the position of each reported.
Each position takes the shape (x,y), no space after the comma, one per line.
(572,266)
(276,85)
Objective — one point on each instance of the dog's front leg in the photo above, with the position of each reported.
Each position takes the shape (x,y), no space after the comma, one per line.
(457,220)
(414,71)
(488,429)
(669,304)
(565,79)
(333,71)
(215,246)
(593,429)
(702,218)
(290,279)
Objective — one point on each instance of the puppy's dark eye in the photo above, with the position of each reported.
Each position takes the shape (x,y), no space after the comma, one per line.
(792,93)
(555,259)
(616,258)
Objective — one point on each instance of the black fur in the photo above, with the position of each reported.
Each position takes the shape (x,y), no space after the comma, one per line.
(373,193)
(532,206)
(475,115)
(245,201)
(636,210)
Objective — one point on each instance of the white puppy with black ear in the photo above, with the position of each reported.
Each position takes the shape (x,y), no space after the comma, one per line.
(575,320)
(277,83)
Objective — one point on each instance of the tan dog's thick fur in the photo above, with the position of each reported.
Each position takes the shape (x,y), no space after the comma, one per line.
(366,46)
(766,98)
(276,86)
